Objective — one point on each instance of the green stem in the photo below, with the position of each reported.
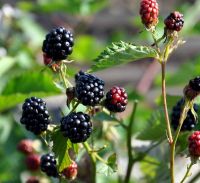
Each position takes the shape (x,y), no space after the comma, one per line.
(187,172)
(169,133)
(195,178)
(129,147)
(173,145)
(93,160)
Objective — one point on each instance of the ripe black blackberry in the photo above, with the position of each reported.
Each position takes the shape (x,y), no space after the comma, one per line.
(58,44)
(76,126)
(116,99)
(89,89)
(48,165)
(189,123)
(35,115)
(174,21)
(195,84)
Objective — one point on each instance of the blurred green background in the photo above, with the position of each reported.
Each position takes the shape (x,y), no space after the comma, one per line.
(95,24)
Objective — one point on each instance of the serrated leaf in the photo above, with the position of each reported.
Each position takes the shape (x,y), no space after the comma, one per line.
(155,128)
(109,168)
(61,146)
(122,53)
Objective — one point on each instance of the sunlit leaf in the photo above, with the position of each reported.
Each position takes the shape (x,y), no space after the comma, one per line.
(122,53)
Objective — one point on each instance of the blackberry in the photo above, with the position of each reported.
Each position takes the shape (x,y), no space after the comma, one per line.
(71,171)
(174,21)
(76,126)
(89,89)
(33,162)
(116,99)
(48,165)
(194,145)
(189,123)
(149,12)
(35,116)
(25,146)
(58,44)
(195,84)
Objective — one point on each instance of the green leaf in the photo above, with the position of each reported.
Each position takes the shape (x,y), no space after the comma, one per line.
(112,159)
(155,128)
(109,168)
(61,146)
(5,64)
(31,81)
(121,53)
(9,101)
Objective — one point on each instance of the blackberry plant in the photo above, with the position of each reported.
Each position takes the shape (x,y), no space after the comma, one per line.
(86,103)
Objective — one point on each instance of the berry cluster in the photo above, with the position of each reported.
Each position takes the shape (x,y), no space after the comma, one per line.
(76,126)
(174,21)
(58,44)
(190,121)
(89,89)
(48,165)
(149,12)
(35,115)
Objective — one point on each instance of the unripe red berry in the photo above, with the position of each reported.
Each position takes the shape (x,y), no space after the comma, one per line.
(71,171)
(33,162)
(116,99)
(174,21)
(25,146)
(149,12)
(32,180)
(194,144)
